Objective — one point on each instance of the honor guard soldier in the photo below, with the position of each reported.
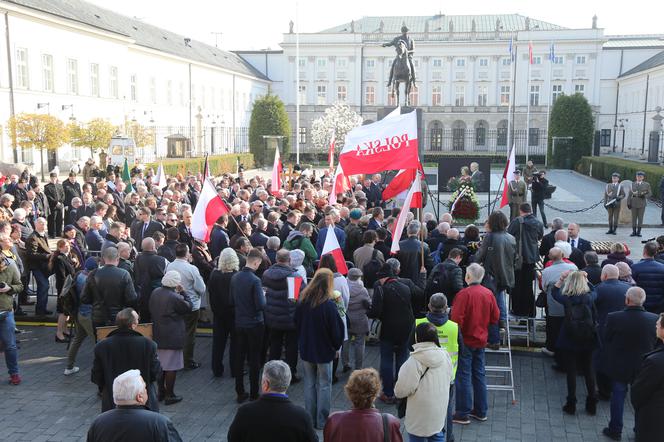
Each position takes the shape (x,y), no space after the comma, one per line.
(612,196)
(516,194)
(637,200)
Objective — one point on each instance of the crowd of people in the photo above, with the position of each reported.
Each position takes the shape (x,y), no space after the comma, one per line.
(126,256)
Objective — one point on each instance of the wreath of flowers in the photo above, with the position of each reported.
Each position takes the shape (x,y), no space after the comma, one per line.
(467,209)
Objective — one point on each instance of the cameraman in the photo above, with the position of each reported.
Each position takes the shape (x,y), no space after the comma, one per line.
(538,192)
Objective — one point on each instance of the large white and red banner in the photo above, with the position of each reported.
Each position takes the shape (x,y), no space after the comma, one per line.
(209,208)
(388,144)
(332,247)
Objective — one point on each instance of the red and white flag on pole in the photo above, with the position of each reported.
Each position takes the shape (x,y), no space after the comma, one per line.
(530,52)
(160,178)
(330,154)
(294,287)
(508,175)
(277,168)
(414,196)
(340,184)
(209,208)
(401,183)
(388,144)
(332,247)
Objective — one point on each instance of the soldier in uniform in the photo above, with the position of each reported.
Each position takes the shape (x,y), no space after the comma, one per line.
(613,193)
(637,200)
(516,194)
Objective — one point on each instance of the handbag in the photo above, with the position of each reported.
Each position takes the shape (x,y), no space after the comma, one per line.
(541,300)
(402,403)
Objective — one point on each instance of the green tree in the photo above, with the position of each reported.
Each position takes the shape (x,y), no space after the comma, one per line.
(268,117)
(96,134)
(571,116)
(38,131)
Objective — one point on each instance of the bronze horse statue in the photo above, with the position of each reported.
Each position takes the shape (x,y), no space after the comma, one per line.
(402,73)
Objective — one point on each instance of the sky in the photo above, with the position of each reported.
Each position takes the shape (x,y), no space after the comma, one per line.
(251,24)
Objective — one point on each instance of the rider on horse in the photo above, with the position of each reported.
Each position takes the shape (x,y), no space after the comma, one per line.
(410,47)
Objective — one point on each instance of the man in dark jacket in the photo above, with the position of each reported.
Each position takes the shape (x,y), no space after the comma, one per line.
(37,254)
(167,250)
(648,393)
(527,230)
(410,253)
(539,185)
(292,220)
(353,233)
(219,238)
(125,349)
(452,242)
(144,227)
(628,335)
(416,287)
(249,301)
(109,289)
(149,268)
(56,199)
(275,412)
(72,190)
(609,297)
(280,311)
(592,267)
(649,275)
(391,304)
(446,277)
(184,228)
(259,237)
(549,239)
(131,419)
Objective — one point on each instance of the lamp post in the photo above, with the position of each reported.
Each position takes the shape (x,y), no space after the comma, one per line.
(46,105)
(69,106)
(621,127)
(615,136)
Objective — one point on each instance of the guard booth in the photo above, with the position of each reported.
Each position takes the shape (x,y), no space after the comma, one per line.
(178,146)
(122,147)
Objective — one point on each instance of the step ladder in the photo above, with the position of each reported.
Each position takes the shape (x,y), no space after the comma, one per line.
(500,374)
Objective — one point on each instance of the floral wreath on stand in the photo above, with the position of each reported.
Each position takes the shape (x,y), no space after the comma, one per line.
(467,207)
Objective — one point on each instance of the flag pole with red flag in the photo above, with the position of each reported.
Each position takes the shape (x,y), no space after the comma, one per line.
(209,208)
(277,168)
(332,247)
(413,201)
(508,175)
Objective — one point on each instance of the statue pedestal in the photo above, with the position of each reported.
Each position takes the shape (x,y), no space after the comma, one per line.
(625,213)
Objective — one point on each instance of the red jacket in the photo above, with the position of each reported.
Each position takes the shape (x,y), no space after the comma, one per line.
(474,309)
(360,426)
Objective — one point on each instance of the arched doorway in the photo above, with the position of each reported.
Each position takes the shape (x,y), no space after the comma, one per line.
(436,135)
(481,129)
(458,135)
(501,134)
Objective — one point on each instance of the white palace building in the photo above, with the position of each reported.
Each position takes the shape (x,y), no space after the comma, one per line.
(78,61)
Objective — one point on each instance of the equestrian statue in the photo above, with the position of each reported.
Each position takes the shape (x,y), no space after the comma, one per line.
(402,70)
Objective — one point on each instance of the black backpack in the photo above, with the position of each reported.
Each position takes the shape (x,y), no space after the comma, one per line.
(579,323)
(370,270)
(437,282)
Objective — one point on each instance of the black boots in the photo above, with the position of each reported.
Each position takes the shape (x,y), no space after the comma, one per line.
(591,406)
(570,406)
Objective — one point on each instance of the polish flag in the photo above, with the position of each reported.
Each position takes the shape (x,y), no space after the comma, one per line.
(294,287)
(401,183)
(414,194)
(209,208)
(277,168)
(508,175)
(388,144)
(330,155)
(340,184)
(332,246)
(160,178)
(530,52)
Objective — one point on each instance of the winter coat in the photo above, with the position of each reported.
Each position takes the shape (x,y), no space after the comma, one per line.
(320,330)
(648,397)
(531,233)
(279,310)
(167,308)
(132,422)
(392,304)
(497,253)
(424,379)
(109,290)
(297,240)
(614,258)
(358,306)
(649,275)
(410,257)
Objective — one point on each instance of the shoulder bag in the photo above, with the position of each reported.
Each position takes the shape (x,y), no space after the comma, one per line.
(402,403)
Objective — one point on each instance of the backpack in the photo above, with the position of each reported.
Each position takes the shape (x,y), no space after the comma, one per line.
(370,270)
(437,282)
(435,255)
(579,323)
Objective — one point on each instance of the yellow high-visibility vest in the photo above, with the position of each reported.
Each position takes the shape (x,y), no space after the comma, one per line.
(448,336)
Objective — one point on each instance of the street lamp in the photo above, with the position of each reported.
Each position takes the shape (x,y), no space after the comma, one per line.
(69,106)
(46,105)
(622,122)
(615,136)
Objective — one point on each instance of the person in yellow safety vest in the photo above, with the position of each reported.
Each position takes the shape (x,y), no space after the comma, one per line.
(450,339)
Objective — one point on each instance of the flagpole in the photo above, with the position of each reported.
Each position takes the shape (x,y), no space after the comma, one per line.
(297,82)
(510,109)
(548,105)
(528,98)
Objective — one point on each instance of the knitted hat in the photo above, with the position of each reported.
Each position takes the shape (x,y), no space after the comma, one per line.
(171,279)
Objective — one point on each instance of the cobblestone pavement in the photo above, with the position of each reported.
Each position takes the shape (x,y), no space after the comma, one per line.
(48,406)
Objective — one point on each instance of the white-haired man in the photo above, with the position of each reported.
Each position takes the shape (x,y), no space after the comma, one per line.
(131,420)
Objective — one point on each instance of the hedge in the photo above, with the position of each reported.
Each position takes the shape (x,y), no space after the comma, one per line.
(218,164)
(603,167)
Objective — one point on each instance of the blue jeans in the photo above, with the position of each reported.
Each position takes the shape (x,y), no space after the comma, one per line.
(42,291)
(494,329)
(317,391)
(449,427)
(392,357)
(8,338)
(438,437)
(471,393)
(618,393)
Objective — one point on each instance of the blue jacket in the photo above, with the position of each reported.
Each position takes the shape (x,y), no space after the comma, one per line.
(219,240)
(94,240)
(649,275)
(609,297)
(248,298)
(320,330)
(373,224)
(320,242)
(279,310)
(628,335)
(564,342)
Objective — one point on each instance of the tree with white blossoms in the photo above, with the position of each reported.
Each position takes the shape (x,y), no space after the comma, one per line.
(339,118)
